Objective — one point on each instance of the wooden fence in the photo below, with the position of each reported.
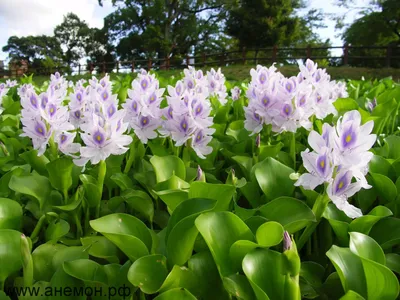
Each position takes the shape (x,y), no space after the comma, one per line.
(378,56)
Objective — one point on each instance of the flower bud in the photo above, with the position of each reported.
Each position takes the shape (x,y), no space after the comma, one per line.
(287,241)
(200,175)
(258,141)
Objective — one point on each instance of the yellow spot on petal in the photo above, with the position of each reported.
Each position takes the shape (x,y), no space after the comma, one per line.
(40,129)
(322,163)
(51,110)
(98,138)
(348,138)
(144,121)
(341,184)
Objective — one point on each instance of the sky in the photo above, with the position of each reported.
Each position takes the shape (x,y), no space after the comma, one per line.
(36,17)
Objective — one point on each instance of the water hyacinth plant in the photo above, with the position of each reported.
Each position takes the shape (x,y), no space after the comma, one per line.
(195,187)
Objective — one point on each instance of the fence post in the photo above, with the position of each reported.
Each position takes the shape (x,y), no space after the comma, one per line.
(133,66)
(90,68)
(244,55)
(346,55)
(222,59)
(79,69)
(117,66)
(167,62)
(388,55)
(204,59)
(274,52)
(187,60)
(149,64)
(104,67)
(308,51)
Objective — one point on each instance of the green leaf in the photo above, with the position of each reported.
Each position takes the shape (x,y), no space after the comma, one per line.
(62,280)
(366,247)
(239,250)
(148,273)
(270,234)
(273,178)
(38,163)
(33,185)
(238,286)
(386,232)
(366,277)
(139,201)
(220,230)
(384,186)
(393,145)
(223,193)
(68,254)
(181,277)
(365,223)
(175,294)
(56,230)
(92,191)
(10,254)
(166,166)
(101,247)
(263,269)
(10,214)
(181,231)
(393,262)
(60,173)
(86,270)
(339,222)
(352,295)
(42,258)
(349,268)
(122,180)
(291,213)
(127,232)
(379,165)
(345,104)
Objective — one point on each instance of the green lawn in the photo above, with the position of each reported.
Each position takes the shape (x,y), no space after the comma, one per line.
(242,72)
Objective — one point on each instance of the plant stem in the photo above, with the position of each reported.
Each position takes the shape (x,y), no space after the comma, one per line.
(100,184)
(79,231)
(131,158)
(293,149)
(318,210)
(53,149)
(38,227)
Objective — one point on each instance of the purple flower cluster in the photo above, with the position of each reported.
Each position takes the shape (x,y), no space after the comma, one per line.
(142,107)
(288,103)
(187,116)
(43,115)
(340,153)
(92,112)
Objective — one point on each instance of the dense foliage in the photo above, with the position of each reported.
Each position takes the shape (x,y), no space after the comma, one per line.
(191,188)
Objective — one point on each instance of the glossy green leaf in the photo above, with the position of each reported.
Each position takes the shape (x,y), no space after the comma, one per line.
(62,280)
(10,254)
(101,247)
(166,166)
(68,254)
(263,269)
(339,222)
(345,104)
(139,201)
(386,232)
(181,231)
(385,188)
(352,295)
(366,247)
(38,163)
(181,277)
(238,286)
(86,270)
(269,234)
(291,213)
(33,185)
(56,230)
(393,262)
(239,250)
(220,230)
(379,165)
(127,232)
(92,192)
(148,273)
(10,214)
(122,180)
(42,258)
(366,222)
(223,193)
(273,178)
(60,173)
(175,294)
(393,145)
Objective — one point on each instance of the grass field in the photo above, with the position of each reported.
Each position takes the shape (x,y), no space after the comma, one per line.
(242,73)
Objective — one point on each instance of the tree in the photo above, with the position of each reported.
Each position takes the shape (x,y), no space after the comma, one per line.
(164,27)
(73,35)
(37,50)
(99,50)
(378,26)
(260,23)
